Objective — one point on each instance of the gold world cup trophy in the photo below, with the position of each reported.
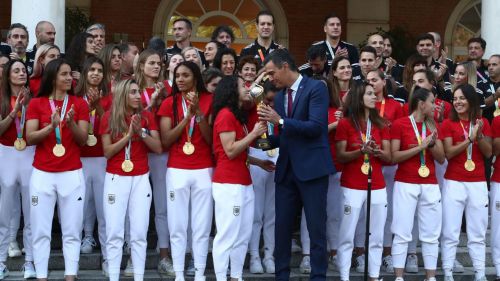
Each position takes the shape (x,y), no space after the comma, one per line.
(257,93)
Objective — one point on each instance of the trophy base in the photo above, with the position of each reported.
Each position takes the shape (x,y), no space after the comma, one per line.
(263,144)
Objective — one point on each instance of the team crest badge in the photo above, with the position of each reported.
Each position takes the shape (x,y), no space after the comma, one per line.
(236,211)
(497,205)
(34,200)
(347,210)
(111,198)
(172,195)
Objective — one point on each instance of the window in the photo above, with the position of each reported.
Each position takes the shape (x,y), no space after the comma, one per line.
(466,25)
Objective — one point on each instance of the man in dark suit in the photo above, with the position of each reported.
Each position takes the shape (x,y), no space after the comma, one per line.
(304,161)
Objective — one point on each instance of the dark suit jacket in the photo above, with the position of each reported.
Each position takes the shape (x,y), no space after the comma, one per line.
(303,140)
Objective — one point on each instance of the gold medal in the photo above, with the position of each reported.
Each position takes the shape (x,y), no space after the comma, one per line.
(423,171)
(365,168)
(91,140)
(470,165)
(188,148)
(20,144)
(127,166)
(271,152)
(59,150)
(496,112)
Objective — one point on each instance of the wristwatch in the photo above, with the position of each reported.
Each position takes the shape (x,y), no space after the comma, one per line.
(281,122)
(198,118)
(144,133)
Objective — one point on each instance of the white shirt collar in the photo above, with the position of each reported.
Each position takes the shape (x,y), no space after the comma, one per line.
(296,84)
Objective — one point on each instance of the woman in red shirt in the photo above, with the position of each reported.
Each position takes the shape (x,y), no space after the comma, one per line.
(92,88)
(44,54)
(362,144)
(187,135)
(128,133)
(467,141)
(391,110)
(232,185)
(16,163)
(341,76)
(57,123)
(415,144)
(112,59)
(495,197)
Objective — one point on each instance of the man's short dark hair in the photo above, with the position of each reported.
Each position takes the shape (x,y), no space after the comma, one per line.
(189,24)
(157,44)
(125,47)
(264,13)
(425,36)
(330,16)
(316,51)
(279,57)
(479,40)
(368,49)
(387,36)
(222,28)
(17,25)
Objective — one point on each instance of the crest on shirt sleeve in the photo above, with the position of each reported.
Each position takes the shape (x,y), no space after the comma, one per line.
(236,211)
(34,200)
(347,210)
(171,195)
(111,198)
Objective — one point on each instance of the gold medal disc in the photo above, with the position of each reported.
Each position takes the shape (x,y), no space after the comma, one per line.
(365,168)
(470,165)
(188,148)
(59,150)
(271,152)
(496,112)
(20,144)
(424,171)
(127,166)
(91,140)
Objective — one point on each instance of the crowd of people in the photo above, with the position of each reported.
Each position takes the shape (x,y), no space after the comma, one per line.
(104,131)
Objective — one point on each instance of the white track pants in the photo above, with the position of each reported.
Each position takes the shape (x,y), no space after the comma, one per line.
(495,224)
(389,173)
(157,173)
(234,211)
(67,189)
(122,194)
(353,201)
(265,214)
(425,199)
(471,197)
(15,172)
(94,171)
(187,187)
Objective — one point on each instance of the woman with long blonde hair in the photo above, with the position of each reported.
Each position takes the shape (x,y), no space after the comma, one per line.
(44,54)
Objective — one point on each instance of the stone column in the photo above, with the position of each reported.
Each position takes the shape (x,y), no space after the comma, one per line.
(30,12)
(489,26)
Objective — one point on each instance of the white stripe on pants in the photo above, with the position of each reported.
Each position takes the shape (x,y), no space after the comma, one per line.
(187,187)
(425,200)
(352,202)
(131,196)
(234,210)
(15,172)
(265,213)
(389,173)
(94,171)
(473,198)
(495,224)
(157,173)
(67,189)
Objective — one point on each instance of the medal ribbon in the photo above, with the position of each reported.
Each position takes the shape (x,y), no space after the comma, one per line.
(270,128)
(189,131)
(92,117)
(382,108)
(466,135)
(146,97)
(20,119)
(330,49)
(419,138)
(261,55)
(127,149)
(481,76)
(366,138)
(58,129)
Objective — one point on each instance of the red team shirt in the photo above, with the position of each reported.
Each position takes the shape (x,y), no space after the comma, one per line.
(352,177)
(392,109)
(233,171)
(495,133)
(138,149)
(35,85)
(202,156)
(408,170)
(45,160)
(96,150)
(331,138)
(446,112)
(456,170)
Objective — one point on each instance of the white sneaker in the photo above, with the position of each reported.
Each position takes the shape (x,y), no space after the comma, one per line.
(29,270)
(401,279)
(256,265)
(482,279)
(88,244)
(4,272)
(359,263)
(295,246)
(430,279)
(269,265)
(105,268)
(448,278)
(129,270)
(179,278)
(458,267)
(411,263)
(305,265)
(191,270)
(14,250)
(201,278)
(332,263)
(387,264)
(165,267)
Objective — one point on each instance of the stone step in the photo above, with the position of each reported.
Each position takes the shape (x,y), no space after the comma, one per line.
(152,275)
(93,261)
